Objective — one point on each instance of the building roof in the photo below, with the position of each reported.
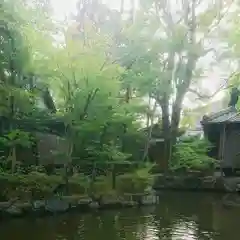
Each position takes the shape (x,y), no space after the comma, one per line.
(228,115)
(45,123)
(197,113)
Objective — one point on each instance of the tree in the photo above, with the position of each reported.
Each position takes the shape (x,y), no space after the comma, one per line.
(230,53)
(76,77)
(96,73)
(166,64)
(20,52)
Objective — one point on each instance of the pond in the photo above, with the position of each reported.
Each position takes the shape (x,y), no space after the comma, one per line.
(179,216)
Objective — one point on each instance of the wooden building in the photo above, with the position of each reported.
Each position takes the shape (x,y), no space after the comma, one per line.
(222,129)
(47,140)
(157,143)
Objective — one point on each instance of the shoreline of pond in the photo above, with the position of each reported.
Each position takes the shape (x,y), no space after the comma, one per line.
(60,205)
(84,203)
(21,210)
(196,183)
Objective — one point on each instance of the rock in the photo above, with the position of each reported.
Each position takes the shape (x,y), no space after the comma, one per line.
(83,204)
(38,204)
(232,200)
(14,210)
(146,198)
(110,200)
(129,203)
(208,182)
(231,184)
(168,182)
(149,199)
(217,174)
(149,189)
(94,205)
(84,201)
(56,205)
(192,182)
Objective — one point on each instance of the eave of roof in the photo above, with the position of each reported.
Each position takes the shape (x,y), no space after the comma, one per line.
(228,115)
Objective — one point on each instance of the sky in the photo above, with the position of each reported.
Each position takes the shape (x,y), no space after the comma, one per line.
(64,7)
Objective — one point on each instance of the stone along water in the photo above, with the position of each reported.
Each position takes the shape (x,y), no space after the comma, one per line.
(179,216)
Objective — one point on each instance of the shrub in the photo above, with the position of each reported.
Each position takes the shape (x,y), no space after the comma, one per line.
(78,184)
(27,186)
(102,185)
(136,182)
(191,154)
(37,185)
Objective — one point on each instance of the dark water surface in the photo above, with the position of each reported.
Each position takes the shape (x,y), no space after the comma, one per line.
(179,216)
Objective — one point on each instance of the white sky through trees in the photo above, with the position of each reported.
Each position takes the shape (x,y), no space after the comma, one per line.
(64,7)
(213,78)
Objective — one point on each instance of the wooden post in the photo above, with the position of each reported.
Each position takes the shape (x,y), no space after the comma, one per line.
(223,140)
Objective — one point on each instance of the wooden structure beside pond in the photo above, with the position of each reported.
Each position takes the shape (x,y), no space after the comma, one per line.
(47,135)
(157,143)
(222,129)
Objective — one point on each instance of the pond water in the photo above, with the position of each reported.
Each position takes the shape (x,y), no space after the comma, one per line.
(179,216)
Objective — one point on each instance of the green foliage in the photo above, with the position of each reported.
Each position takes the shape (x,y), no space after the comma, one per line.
(191,154)
(102,185)
(16,137)
(24,186)
(84,82)
(138,182)
(36,185)
(96,72)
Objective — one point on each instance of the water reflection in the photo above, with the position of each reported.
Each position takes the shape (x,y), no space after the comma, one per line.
(179,216)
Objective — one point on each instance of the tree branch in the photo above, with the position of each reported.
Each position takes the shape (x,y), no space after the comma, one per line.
(90,98)
(204,96)
(211,28)
(167,22)
(224,86)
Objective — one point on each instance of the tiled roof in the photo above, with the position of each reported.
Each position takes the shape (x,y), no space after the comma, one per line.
(229,114)
(211,107)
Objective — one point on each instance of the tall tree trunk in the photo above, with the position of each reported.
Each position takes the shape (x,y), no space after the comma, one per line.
(122,6)
(175,119)
(149,136)
(190,21)
(12,110)
(166,126)
(132,11)
(128,94)
(170,129)
(34,144)
(148,115)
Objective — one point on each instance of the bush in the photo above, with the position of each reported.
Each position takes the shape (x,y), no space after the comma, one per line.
(191,154)
(101,186)
(78,184)
(27,186)
(136,182)
(37,185)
